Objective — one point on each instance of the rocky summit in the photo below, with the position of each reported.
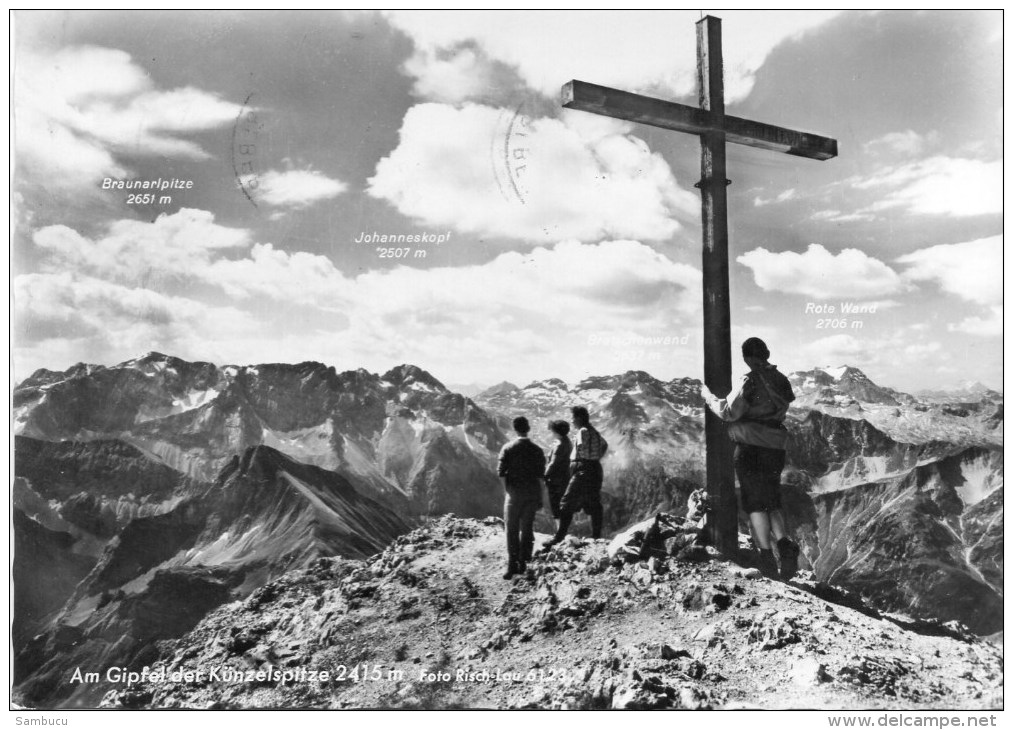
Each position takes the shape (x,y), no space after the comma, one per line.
(895,497)
(430,623)
(149,493)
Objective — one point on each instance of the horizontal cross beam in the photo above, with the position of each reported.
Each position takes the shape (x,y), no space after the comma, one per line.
(670,115)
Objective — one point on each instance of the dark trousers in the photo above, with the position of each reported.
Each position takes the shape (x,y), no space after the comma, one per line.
(582,493)
(519,510)
(759,471)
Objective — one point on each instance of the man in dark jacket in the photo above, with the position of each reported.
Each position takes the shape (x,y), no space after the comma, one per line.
(522,465)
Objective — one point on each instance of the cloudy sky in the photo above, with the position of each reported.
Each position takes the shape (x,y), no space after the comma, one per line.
(558,243)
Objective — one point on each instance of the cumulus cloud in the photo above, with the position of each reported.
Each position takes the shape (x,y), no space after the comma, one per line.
(487,172)
(462,73)
(288,276)
(189,246)
(607,281)
(524,313)
(65,317)
(989,325)
(184,279)
(182,244)
(643,51)
(79,109)
(783,197)
(292,189)
(907,143)
(971,270)
(449,77)
(822,275)
(937,186)
(876,355)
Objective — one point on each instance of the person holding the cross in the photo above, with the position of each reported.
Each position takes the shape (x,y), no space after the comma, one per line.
(755,413)
(716,129)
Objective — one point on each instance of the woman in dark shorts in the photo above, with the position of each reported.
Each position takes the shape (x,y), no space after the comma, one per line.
(755,411)
(557,472)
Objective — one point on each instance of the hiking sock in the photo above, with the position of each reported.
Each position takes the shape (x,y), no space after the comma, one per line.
(767,564)
(527,550)
(596,520)
(788,551)
(565,518)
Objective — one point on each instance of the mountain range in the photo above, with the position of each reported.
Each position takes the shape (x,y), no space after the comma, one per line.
(150,492)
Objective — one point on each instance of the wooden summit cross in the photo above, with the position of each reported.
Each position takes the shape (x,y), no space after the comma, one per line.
(714,127)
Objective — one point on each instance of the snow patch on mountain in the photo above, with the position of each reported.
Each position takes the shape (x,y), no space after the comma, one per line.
(19,417)
(311,445)
(192,400)
(835,373)
(860,470)
(981,478)
(460,434)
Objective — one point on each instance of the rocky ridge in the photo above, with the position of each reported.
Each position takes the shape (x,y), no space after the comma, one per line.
(429,623)
(403,434)
(163,571)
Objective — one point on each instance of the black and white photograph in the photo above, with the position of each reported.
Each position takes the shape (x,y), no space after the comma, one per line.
(507,360)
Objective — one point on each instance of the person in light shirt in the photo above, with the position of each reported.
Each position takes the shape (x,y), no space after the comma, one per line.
(755,411)
(583,492)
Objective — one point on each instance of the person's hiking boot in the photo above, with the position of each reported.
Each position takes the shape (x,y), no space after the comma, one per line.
(511,570)
(548,545)
(522,567)
(767,564)
(788,552)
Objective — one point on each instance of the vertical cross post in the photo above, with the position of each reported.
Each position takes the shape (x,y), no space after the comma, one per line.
(715,129)
(722,520)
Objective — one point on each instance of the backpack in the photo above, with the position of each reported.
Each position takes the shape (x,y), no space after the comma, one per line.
(765,393)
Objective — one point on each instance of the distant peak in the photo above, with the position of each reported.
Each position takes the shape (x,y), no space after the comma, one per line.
(149,357)
(407,375)
(257,461)
(974,386)
(834,372)
(154,360)
(612,382)
(547,383)
(639,376)
(503,388)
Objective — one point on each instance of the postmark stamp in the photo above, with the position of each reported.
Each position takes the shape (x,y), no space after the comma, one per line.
(246,136)
(511,151)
